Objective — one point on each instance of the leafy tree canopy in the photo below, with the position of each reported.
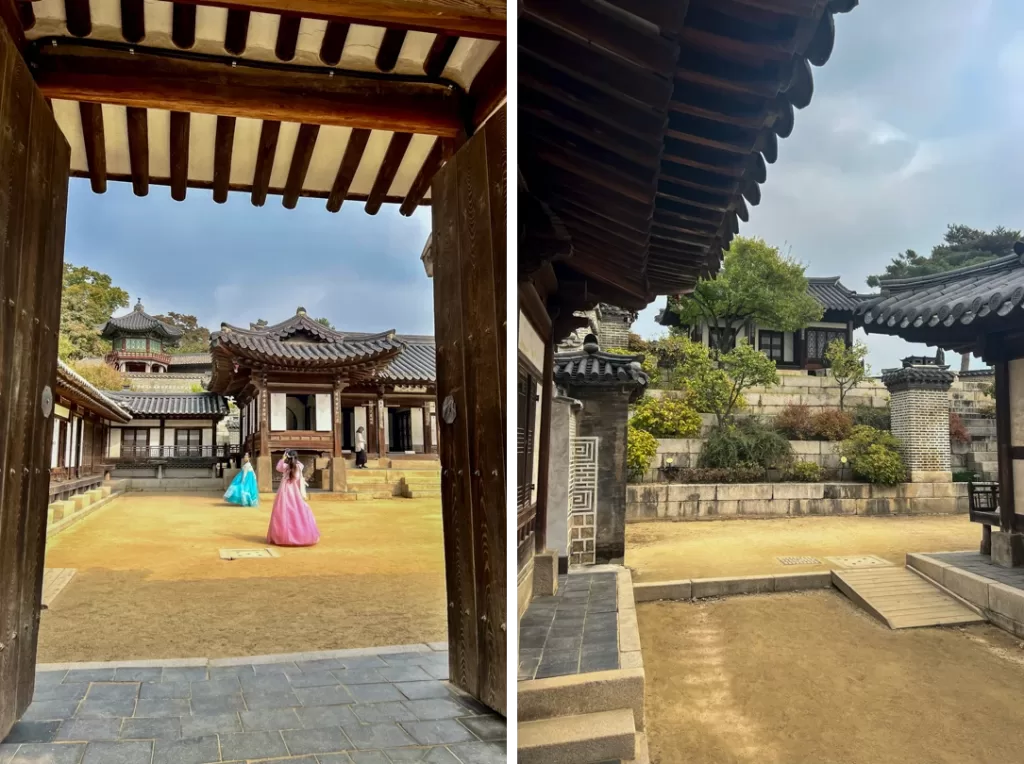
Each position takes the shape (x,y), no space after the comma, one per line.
(961,246)
(194,338)
(88,299)
(326,322)
(757,285)
(101,376)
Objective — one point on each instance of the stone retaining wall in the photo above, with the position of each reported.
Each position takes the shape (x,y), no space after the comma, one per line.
(685,501)
(684,453)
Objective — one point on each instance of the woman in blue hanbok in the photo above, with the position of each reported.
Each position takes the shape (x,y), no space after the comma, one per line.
(243,489)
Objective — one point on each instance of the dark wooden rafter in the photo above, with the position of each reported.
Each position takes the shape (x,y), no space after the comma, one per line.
(347,169)
(95,149)
(237,34)
(153,80)
(303,153)
(287,37)
(489,86)
(386,173)
(333,44)
(390,48)
(269,133)
(440,51)
(78,16)
(138,149)
(223,144)
(421,185)
(183,25)
(180,128)
(133,20)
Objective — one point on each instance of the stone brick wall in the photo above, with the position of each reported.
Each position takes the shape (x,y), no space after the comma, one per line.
(920,419)
(613,327)
(683,502)
(684,453)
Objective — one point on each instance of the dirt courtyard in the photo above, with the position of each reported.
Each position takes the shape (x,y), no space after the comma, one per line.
(665,551)
(807,679)
(151,584)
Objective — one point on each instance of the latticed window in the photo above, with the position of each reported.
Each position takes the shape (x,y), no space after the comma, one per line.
(526,419)
(134,443)
(135,343)
(188,442)
(771,344)
(818,341)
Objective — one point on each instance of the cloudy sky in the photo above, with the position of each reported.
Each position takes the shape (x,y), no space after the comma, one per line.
(916,122)
(237,263)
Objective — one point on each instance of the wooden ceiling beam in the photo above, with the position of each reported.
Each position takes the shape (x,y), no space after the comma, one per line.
(287,37)
(489,86)
(389,50)
(440,51)
(265,153)
(484,19)
(138,149)
(333,44)
(301,157)
(223,146)
(386,172)
(237,33)
(181,123)
(421,185)
(152,80)
(347,169)
(133,20)
(183,25)
(78,17)
(95,150)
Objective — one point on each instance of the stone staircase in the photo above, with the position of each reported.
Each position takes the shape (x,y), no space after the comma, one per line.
(387,478)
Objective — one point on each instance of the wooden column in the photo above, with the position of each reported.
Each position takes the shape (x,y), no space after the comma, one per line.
(382,422)
(34,167)
(547,391)
(264,459)
(371,428)
(428,445)
(338,478)
(1004,446)
(468,211)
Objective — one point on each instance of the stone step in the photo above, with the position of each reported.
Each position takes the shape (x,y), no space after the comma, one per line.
(423,493)
(584,739)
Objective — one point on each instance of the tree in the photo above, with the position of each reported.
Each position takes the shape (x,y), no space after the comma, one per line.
(756,286)
(88,299)
(326,322)
(847,366)
(194,338)
(101,376)
(962,246)
(716,384)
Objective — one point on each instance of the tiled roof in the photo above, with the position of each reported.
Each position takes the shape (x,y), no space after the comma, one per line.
(415,363)
(173,404)
(138,321)
(73,385)
(591,367)
(832,295)
(918,378)
(985,298)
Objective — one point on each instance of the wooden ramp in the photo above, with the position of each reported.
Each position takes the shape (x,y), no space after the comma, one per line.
(901,599)
(54,581)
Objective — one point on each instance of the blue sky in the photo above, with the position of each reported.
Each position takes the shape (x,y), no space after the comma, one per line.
(237,263)
(915,123)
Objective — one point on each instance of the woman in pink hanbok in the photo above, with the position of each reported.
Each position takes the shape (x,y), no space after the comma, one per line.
(292,522)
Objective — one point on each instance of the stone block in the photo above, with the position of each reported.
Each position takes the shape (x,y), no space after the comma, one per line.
(915,490)
(794,582)
(798,491)
(582,694)
(672,445)
(1006,600)
(946,490)
(808,506)
(933,506)
(80,502)
(845,506)
(106,491)
(929,566)
(662,590)
(719,508)
(55,512)
(963,504)
(847,491)
(692,492)
(679,510)
(931,476)
(806,447)
(744,492)
(1008,549)
(818,400)
(722,587)
(545,573)
(969,586)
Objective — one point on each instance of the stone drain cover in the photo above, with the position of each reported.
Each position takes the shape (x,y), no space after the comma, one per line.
(860,561)
(247,554)
(799,560)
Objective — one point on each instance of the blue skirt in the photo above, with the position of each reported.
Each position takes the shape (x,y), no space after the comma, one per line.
(243,490)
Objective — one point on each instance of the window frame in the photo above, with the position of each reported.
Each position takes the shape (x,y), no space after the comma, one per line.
(772,335)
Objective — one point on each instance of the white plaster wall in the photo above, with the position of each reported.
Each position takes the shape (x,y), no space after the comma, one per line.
(114,443)
(145,423)
(55,450)
(207,436)
(359,420)
(154,438)
(531,344)
(417,427)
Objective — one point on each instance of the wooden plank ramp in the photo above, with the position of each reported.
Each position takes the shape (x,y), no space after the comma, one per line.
(54,581)
(901,599)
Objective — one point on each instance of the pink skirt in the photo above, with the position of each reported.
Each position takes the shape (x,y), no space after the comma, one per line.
(291,522)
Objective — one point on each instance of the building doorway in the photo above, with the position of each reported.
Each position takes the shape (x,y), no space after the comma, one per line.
(400,430)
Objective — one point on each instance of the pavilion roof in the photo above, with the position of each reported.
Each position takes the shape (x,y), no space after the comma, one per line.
(961,310)
(345,100)
(139,322)
(646,130)
(592,367)
(75,387)
(180,405)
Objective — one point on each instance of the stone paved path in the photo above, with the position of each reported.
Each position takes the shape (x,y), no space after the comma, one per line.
(359,708)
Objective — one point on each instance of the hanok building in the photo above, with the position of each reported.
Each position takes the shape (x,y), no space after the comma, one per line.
(139,342)
(300,385)
(801,349)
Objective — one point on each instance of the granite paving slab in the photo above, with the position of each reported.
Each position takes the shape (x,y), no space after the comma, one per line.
(982,565)
(359,707)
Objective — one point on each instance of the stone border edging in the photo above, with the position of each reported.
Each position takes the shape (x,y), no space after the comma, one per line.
(254,660)
(73,519)
(700,588)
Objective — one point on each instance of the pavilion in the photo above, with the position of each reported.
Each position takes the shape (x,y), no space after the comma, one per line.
(139,342)
(979,310)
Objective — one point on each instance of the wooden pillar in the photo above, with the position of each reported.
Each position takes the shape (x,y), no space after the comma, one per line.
(546,391)
(338,478)
(1007,500)
(264,459)
(469,217)
(382,422)
(428,446)
(371,428)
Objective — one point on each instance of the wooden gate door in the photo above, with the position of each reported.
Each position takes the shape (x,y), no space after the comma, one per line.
(34,166)
(468,201)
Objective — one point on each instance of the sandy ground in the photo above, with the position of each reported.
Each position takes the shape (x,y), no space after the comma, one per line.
(150,583)
(665,551)
(809,679)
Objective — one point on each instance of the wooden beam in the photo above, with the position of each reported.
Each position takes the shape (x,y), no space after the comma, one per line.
(133,20)
(1004,396)
(489,86)
(390,48)
(265,161)
(333,44)
(303,152)
(138,149)
(470,18)
(95,150)
(183,25)
(347,170)
(152,80)
(224,143)
(438,55)
(79,20)
(386,174)
(237,32)
(180,126)
(421,185)
(287,37)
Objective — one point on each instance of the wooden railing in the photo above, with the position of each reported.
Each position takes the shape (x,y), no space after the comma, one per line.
(146,453)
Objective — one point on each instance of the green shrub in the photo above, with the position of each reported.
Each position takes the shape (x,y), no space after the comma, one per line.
(874,456)
(805,472)
(869,416)
(666,418)
(795,422)
(957,430)
(722,475)
(832,424)
(744,444)
(641,447)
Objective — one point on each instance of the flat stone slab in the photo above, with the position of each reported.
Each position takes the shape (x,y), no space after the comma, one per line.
(385,704)
(902,600)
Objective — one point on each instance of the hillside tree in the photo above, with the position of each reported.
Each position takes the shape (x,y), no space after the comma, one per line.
(194,338)
(89,298)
